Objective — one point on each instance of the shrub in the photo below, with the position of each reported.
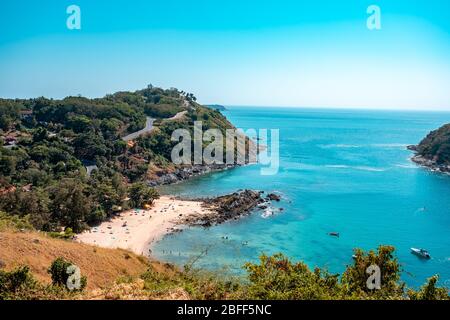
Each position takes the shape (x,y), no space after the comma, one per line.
(61,275)
(429,291)
(141,195)
(66,235)
(14,282)
(277,277)
(14,222)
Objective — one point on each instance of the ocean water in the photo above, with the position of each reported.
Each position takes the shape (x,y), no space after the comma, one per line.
(345,171)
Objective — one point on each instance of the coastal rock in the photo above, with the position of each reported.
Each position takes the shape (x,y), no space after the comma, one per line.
(273,197)
(228,207)
(185,173)
(433,151)
(431,164)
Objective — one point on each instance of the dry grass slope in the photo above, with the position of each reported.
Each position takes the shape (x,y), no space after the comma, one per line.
(101,266)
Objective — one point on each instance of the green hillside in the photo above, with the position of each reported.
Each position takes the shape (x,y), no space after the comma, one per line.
(64,162)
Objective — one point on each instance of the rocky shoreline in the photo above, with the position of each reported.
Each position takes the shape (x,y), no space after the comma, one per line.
(231,207)
(185,173)
(428,163)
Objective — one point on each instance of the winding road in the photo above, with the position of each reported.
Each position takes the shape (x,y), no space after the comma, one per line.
(134,135)
(149,126)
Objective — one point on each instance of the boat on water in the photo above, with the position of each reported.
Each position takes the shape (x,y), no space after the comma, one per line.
(334,234)
(420,253)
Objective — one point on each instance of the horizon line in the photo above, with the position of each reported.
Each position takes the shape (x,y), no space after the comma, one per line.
(419,109)
(332,107)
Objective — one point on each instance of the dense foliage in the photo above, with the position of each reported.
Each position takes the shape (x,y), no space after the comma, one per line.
(59,271)
(274,277)
(64,163)
(277,277)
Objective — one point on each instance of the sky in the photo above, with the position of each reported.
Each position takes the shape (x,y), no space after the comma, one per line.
(260,53)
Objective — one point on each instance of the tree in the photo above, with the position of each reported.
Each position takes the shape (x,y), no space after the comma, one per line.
(36,204)
(429,291)
(70,205)
(355,276)
(7,165)
(89,145)
(79,123)
(141,195)
(12,282)
(40,134)
(107,196)
(277,277)
(9,114)
(60,273)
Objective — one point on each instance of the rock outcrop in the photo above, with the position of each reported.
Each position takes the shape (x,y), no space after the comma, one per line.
(434,150)
(231,207)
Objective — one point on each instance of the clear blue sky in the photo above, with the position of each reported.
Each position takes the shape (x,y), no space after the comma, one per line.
(276,53)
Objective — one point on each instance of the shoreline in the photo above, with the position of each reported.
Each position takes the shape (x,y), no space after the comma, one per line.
(427,163)
(430,164)
(138,230)
(187,173)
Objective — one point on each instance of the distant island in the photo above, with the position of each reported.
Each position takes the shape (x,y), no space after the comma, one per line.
(434,150)
(216,107)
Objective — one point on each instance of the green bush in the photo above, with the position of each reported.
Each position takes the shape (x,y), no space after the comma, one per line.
(141,195)
(277,277)
(66,235)
(15,222)
(19,284)
(13,283)
(59,271)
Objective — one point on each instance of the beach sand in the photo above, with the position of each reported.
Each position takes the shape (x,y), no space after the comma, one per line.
(136,230)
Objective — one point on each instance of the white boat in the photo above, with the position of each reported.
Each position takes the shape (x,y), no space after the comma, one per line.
(421,253)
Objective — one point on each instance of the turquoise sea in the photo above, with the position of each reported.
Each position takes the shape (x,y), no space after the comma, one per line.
(346,171)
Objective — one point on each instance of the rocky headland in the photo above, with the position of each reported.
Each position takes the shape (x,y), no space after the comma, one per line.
(433,151)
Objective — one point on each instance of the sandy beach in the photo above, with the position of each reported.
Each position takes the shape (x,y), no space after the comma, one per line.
(136,230)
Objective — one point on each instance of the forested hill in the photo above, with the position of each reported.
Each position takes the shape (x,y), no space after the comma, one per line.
(435,148)
(63,163)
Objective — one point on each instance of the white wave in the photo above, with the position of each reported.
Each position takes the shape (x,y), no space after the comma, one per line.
(390,145)
(268,212)
(343,166)
(346,146)
(374,145)
(370,169)
(362,168)
(406,166)
(271,211)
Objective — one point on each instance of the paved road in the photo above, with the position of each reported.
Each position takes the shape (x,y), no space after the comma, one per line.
(149,126)
(134,135)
